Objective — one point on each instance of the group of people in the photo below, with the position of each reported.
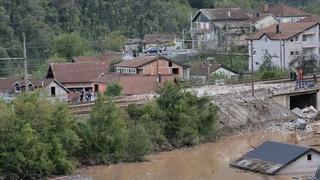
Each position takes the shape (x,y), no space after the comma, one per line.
(297,75)
(87,96)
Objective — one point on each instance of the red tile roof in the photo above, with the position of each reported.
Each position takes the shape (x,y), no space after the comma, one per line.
(312,18)
(134,84)
(76,72)
(222,14)
(107,58)
(141,61)
(288,30)
(285,11)
(7,84)
(159,38)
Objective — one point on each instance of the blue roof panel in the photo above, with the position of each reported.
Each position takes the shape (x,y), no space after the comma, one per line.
(276,152)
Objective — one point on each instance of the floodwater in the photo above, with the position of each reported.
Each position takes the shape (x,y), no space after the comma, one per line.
(204,162)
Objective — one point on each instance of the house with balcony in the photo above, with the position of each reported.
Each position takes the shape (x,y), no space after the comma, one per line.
(220,28)
(285,42)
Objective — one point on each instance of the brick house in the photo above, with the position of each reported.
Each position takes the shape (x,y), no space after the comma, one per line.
(151,65)
(77,76)
(132,84)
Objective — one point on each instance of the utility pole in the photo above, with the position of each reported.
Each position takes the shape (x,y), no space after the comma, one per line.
(25,62)
(251,56)
(183,30)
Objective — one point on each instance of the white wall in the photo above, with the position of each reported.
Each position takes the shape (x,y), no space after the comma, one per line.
(224,71)
(310,47)
(265,22)
(302,165)
(61,93)
(260,47)
(291,19)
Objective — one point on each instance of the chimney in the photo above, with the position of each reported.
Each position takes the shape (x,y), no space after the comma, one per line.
(229,14)
(278,28)
(266,7)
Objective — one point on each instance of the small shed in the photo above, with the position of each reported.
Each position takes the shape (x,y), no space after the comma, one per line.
(279,158)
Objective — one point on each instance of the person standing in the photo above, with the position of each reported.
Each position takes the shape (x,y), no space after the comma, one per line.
(81,96)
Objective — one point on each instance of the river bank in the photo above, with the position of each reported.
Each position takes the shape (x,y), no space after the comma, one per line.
(206,161)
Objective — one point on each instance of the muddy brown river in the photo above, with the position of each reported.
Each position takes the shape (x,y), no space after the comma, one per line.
(204,162)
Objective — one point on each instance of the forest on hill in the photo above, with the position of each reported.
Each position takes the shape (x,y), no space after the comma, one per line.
(53,25)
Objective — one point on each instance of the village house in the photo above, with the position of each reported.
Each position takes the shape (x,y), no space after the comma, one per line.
(284,43)
(107,58)
(169,41)
(11,87)
(262,20)
(199,72)
(132,84)
(133,46)
(77,77)
(285,13)
(275,158)
(220,28)
(152,65)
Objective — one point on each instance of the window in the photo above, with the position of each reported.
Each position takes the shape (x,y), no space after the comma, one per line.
(175,70)
(297,38)
(53,91)
(201,25)
(257,63)
(17,89)
(309,157)
(265,39)
(207,26)
(170,64)
(297,53)
(292,40)
(291,53)
(304,37)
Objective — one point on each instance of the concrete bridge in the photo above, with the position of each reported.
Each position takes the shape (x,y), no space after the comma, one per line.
(299,95)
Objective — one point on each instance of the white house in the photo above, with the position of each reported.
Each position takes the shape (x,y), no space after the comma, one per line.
(280,158)
(199,72)
(262,21)
(285,42)
(11,87)
(285,13)
(216,28)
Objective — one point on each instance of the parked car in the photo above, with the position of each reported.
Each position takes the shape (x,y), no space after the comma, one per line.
(152,50)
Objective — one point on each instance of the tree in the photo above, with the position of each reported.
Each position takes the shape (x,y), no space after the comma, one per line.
(114,42)
(105,136)
(39,139)
(69,45)
(113,89)
(139,143)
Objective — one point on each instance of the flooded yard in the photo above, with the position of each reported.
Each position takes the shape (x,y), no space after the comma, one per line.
(203,162)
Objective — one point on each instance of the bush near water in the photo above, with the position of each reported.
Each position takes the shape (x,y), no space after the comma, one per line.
(41,138)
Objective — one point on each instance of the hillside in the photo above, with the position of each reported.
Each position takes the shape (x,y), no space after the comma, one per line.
(94,21)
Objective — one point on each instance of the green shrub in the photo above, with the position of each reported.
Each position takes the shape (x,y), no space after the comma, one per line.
(113,89)
(139,143)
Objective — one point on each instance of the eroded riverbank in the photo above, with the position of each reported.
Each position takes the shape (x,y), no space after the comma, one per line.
(203,162)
